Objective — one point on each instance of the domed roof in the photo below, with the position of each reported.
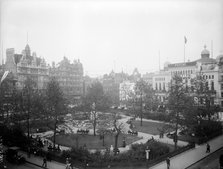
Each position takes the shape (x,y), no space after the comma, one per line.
(205,51)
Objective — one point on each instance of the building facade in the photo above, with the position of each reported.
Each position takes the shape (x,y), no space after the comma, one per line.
(70,78)
(210,69)
(26,65)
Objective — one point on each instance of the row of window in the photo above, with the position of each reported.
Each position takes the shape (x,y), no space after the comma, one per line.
(160,79)
(160,87)
(208,77)
(182,72)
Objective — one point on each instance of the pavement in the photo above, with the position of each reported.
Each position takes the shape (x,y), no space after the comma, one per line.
(38,161)
(211,161)
(191,156)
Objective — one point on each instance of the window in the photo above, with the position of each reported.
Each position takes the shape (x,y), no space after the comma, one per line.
(206,86)
(212,85)
(156,86)
(212,76)
(164,87)
(221,103)
(221,86)
(160,86)
(221,94)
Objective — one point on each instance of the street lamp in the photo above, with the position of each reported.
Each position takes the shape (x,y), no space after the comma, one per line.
(147,155)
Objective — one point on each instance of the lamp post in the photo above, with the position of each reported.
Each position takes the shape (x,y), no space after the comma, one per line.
(147,155)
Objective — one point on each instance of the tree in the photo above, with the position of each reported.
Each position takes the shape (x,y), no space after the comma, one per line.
(28,94)
(55,102)
(103,129)
(204,96)
(118,130)
(7,95)
(178,102)
(146,96)
(94,101)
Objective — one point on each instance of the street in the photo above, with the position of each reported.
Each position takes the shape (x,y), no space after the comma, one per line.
(210,162)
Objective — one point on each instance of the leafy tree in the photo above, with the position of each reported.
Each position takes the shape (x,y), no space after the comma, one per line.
(28,94)
(178,102)
(145,96)
(55,102)
(103,129)
(94,101)
(7,95)
(204,96)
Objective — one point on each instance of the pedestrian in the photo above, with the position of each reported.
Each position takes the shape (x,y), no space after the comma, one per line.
(168,162)
(221,161)
(44,162)
(208,148)
(28,152)
(67,163)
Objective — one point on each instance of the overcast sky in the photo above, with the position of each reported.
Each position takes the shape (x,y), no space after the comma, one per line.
(118,35)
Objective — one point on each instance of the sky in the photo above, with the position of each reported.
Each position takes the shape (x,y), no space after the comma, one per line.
(113,35)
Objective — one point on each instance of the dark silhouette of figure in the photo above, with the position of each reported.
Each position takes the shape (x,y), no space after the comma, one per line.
(208,148)
(221,161)
(168,162)
(44,162)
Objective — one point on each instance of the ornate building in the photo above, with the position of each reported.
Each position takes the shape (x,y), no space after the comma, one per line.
(70,77)
(24,65)
(210,69)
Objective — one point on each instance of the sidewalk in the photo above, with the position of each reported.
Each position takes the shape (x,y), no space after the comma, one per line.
(189,157)
(38,161)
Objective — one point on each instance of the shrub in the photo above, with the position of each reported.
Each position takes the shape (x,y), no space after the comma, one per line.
(157,116)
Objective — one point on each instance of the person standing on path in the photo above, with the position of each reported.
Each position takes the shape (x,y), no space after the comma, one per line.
(208,148)
(44,162)
(168,162)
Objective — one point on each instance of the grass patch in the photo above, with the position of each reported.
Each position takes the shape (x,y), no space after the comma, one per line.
(93,142)
(149,127)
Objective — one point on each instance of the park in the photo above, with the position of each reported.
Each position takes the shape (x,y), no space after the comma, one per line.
(95,134)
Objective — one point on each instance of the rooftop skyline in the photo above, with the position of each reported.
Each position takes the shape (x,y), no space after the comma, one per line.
(113,35)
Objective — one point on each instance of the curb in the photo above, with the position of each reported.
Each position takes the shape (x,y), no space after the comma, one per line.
(204,157)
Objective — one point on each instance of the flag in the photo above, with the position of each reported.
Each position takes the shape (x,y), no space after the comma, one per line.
(4,76)
(185,39)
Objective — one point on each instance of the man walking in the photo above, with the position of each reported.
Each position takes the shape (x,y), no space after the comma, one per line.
(168,162)
(44,162)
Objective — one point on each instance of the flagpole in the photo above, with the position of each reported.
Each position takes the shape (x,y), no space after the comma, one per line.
(185,41)
(159,60)
(184,51)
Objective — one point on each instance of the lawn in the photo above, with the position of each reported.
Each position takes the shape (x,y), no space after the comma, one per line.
(149,127)
(93,142)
